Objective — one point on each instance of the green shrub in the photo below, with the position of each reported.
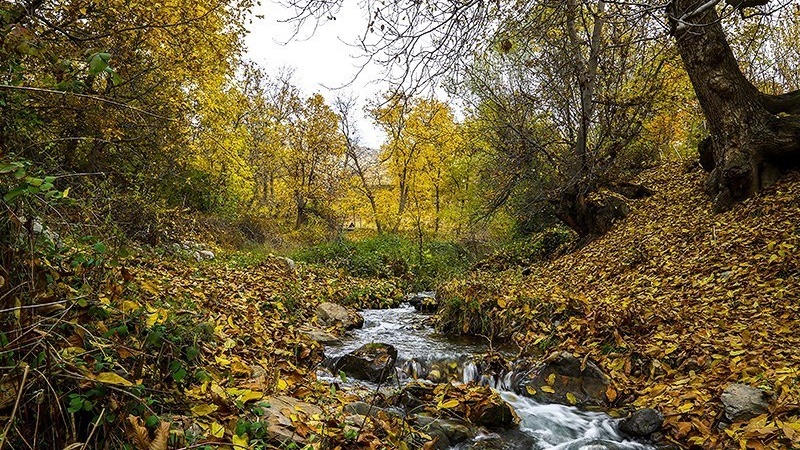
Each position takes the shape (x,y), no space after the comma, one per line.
(392,256)
(526,251)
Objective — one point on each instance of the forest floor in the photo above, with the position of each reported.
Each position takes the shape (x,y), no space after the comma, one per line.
(674,302)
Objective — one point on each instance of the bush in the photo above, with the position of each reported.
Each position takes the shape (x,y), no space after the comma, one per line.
(526,251)
(392,256)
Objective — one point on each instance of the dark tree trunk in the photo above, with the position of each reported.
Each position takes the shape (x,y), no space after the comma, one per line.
(590,213)
(752,134)
(302,211)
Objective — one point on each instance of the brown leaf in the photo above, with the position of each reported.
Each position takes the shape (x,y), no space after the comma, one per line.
(611,394)
(137,433)
(162,436)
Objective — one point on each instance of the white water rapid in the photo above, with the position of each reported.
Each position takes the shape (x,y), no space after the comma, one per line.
(544,426)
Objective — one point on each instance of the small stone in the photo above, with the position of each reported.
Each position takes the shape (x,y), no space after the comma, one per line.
(331,314)
(321,336)
(642,423)
(743,402)
(207,254)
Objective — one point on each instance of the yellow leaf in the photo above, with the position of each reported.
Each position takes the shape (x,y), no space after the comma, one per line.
(452,403)
(130,306)
(222,361)
(162,437)
(203,409)
(217,430)
(242,441)
(501,302)
(282,385)
(686,407)
(530,389)
(251,395)
(112,378)
(149,288)
(571,398)
(551,379)
(548,389)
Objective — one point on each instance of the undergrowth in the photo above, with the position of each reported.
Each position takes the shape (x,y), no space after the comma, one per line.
(388,256)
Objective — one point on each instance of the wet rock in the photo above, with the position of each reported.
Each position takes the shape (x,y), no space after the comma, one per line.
(562,374)
(492,412)
(371,362)
(450,432)
(277,413)
(362,409)
(333,315)
(642,423)
(507,440)
(743,402)
(423,301)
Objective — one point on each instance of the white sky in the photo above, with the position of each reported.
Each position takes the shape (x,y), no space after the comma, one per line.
(322,61)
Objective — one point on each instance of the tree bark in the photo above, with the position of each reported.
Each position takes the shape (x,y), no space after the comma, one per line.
(752,134)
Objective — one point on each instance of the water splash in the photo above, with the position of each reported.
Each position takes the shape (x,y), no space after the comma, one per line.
(421,349)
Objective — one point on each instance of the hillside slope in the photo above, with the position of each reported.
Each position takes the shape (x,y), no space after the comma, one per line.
(675,302)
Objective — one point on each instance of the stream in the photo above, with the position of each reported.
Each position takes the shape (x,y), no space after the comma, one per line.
(422,350)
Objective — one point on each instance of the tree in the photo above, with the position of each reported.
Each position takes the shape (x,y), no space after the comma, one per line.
(562,102)
(422,145)
(359,159)
(312,160)
(753,134)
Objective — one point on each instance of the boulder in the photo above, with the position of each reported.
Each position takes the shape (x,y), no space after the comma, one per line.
(642,423)
(551,380)
(513,439)
(447,432)
(333,315)
(280,413)
(491,412)
(743,402)
(423,301)
(321,336)
(371,362)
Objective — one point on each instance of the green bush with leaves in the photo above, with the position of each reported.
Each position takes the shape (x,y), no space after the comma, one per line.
(392,256)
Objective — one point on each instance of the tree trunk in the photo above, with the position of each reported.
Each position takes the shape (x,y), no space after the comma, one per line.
(750,137)
(302,212)
(588,212)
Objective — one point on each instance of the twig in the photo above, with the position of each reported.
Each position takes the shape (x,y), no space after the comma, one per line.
(89,97)
(94,428)
(14,411)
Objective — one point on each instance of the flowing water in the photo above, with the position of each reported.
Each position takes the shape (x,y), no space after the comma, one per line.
(421,351)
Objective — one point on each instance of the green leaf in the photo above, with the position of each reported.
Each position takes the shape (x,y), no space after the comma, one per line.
(98,62)
(191,353)
(100,247)
(14,193)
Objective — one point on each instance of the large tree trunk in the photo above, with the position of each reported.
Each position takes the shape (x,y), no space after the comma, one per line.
(590,212)
(751,137)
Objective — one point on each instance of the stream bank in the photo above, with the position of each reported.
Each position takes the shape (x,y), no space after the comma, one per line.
(425,360)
